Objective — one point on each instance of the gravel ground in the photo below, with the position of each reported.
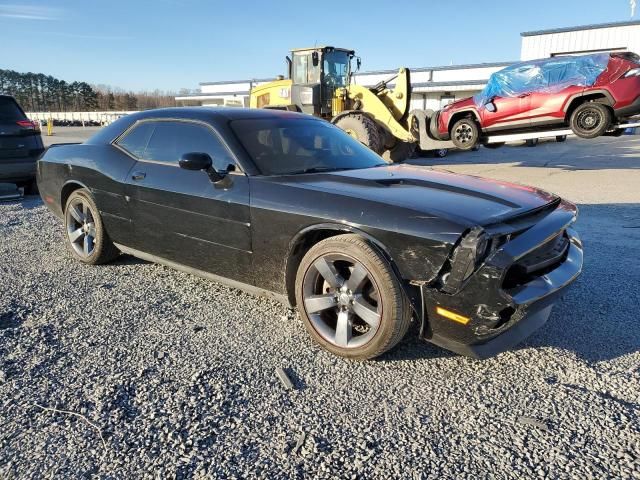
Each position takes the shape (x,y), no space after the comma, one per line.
(133,370)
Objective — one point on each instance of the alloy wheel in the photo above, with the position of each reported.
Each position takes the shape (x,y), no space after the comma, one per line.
(81,228)
(342,300)
(463,133)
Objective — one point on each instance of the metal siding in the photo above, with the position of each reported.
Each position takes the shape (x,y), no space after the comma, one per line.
(546,44)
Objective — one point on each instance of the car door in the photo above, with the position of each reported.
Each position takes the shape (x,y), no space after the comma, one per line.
(508,113)
(181,215)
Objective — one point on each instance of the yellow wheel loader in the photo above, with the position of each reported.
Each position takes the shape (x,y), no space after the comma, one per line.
(320,83)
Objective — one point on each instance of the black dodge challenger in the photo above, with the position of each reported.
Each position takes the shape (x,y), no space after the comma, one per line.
(288,205)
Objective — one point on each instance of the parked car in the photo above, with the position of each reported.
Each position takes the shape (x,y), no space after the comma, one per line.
(589,93)
(20,144)
(288,205)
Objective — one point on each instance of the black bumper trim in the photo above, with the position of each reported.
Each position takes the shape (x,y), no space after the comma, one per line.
(511,337)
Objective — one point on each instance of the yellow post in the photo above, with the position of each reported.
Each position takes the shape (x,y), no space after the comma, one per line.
(49,127)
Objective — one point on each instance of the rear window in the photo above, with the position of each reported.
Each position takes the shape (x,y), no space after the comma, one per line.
(10,111)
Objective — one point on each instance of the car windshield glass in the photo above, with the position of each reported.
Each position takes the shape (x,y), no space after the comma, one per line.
(9,111)
(336,68)
(297,145)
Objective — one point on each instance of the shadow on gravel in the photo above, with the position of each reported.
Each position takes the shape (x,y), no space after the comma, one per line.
(597,317)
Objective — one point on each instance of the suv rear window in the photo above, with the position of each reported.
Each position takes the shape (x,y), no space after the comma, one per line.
(10,112)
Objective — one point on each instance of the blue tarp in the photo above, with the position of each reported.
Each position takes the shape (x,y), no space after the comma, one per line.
(549,75)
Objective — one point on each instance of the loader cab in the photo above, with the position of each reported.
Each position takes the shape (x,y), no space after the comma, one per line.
(316,73)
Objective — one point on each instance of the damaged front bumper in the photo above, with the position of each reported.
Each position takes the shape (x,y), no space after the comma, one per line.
(511,294)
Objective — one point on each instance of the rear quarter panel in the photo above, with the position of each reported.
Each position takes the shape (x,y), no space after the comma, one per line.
(102,169)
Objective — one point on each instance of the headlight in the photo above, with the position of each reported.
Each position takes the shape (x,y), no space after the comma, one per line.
(468,255)
(634,72)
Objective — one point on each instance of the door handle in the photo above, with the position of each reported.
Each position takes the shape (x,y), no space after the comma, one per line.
(137,176)
(524,95)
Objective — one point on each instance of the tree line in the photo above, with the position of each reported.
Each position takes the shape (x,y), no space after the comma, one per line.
(37,92)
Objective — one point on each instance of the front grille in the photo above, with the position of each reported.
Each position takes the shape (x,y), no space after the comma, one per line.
(538,262)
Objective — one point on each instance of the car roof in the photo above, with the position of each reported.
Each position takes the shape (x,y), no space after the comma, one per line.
(219,114)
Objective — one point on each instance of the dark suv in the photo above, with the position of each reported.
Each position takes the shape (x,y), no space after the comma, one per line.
(20,144)
(588,93)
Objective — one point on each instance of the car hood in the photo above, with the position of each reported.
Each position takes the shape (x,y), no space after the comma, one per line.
(462,103)
(466,199)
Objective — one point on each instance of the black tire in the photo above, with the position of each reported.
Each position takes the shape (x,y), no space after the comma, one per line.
(561,138)
(618,132)
(363,129)
(392,306)
(532,142)
(441,152)
(400,152)
(465,133)
(96,247)
(493,146)
(590,120)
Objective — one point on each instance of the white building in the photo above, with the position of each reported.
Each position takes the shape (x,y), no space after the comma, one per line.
(434,87)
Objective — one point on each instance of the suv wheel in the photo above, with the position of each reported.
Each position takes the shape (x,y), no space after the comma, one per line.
(590,120)
(86,237)
(464,133)
(350,300)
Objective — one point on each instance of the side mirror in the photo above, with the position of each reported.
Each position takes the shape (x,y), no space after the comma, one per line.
(315,58)
(358,63)
(490,106)
(195,161)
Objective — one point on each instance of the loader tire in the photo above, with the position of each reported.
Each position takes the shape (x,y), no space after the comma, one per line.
(363,129)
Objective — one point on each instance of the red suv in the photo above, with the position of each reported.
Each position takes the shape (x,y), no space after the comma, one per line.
(586,92)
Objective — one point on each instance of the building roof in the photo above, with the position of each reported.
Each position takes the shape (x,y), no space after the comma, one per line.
(383,72)
(579,28)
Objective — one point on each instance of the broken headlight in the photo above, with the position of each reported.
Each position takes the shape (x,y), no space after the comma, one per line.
(468,255)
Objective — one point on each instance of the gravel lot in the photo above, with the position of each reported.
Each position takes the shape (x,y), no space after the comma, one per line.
(133,370)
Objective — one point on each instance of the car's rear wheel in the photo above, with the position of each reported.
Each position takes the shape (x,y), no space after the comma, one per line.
(440,153)
(465,133)
(590,120)
(86,237)
(350,299)
(561,138)
(531,142)
(494,145)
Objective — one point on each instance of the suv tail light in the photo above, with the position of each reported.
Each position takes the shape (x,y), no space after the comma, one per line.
(28,124)
(634,72)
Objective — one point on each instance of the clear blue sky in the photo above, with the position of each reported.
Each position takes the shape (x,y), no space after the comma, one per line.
(169,44)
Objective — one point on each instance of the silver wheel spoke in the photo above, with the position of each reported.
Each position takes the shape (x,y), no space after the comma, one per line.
(357,278)
(317,303)
(328,272)
(87,244)
(366,311)
(75,235)
(76,214)
(343,329)
(91,229)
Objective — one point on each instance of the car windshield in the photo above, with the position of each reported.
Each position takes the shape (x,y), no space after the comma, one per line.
(297,145)
(336,67)
(9,111)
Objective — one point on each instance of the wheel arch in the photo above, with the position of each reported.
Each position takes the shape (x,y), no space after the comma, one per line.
(68,188)
(467,113)
(599,96)
(306,238)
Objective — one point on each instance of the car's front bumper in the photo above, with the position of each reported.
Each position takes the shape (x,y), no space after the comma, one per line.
(495,317)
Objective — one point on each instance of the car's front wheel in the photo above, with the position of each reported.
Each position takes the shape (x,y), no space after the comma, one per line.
(465,133)
(590,120)
(350,300)
(86,238)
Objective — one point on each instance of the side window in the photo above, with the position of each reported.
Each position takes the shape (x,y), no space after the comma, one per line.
(171,140)
(135,142)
